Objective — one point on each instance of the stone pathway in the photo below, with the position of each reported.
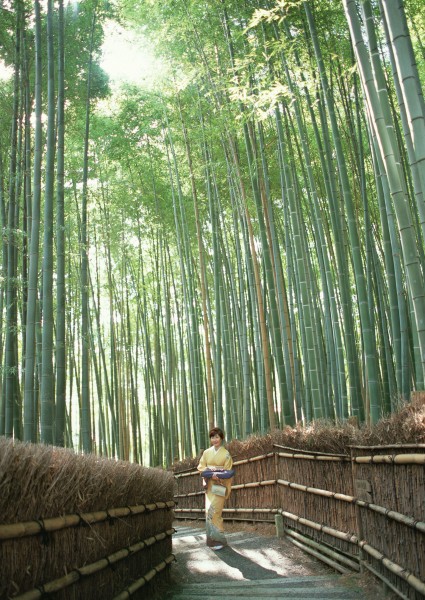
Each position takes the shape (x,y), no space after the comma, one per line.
(256,566)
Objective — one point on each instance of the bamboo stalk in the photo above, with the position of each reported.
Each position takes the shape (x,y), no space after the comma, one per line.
(136,585)
(397,459)
(18,530)
(74,576)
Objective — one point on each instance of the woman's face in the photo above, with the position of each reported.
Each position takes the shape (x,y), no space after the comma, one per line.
(215,440)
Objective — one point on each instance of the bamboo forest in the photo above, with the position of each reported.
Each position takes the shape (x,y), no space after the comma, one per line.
(212,213)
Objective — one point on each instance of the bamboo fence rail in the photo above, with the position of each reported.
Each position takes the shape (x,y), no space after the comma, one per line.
(397,459)
(18,530)
(139,583)
(85,571)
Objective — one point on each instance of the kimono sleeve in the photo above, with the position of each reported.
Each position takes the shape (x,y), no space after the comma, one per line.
(228,463)
(202,463)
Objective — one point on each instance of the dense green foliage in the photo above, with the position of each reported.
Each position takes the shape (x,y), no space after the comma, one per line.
(237,242)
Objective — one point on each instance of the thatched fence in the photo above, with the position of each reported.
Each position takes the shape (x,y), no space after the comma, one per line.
(74,526)
(365,510)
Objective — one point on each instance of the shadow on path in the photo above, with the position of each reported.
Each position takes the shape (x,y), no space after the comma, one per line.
(248,568)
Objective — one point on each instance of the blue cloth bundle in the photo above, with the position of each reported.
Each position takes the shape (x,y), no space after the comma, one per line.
(222,474)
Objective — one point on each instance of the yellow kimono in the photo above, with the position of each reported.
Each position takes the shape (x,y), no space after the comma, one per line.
(213,503)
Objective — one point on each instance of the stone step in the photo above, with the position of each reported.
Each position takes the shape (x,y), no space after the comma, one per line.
(291,588)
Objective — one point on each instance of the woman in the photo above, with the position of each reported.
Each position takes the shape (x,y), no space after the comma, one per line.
(216,458)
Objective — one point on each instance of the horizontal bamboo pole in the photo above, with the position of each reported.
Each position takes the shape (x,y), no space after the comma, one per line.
(398,570)
(384,580)
(316,491)
(321,557)
(229,510)
(254,484)
(87,570)
(187,474)
(385,447)
(18,530)
(136,585)
(321,548)
(189,494)
(245,461)
(297,450)
(321,457)
(251,510)
(348,537)
(394,515)
(396,459)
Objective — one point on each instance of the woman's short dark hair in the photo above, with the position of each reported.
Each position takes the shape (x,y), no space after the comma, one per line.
(216,431)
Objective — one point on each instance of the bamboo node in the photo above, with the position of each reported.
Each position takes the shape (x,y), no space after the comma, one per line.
(82,522)
(111,518)
(44,533)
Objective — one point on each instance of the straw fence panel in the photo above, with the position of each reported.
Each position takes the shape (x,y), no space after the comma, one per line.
(64,517)
(331,473)
(190,494)
(311,471)
(254,494)
(261,468)
(247,488)
(335,513)
(396,486)
(31,561)
(189,482)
